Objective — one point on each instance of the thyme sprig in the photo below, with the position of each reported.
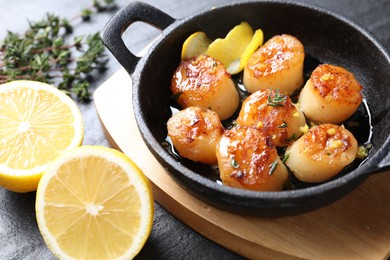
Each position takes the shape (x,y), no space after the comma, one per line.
(276,99)
(272,167)
(285,157)
(45,53)
(97,6)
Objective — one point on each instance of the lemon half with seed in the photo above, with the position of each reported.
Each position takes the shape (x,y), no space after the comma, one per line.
(94,203)
(37,123)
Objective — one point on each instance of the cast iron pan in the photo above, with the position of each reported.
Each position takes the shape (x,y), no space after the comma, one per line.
(327,37)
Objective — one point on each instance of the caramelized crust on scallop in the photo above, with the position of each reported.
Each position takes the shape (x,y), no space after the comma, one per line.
(197,76)
(278,64)
(194,133)
(336,84)
(203,81)
(247,159)
(274,113)
(331,95)
(321,153)
(327,140)
(273,55)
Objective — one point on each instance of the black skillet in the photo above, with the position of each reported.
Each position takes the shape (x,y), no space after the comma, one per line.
(328,38)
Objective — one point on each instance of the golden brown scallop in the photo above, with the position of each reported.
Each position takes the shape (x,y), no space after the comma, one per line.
(203,81)
(248,160)
(194,133)
(321,153)
(278,64)
(331,95)
(274,113)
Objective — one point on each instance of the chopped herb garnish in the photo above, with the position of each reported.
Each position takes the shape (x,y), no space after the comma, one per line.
(273,167)
(328,154)
(276,99)
(293,137)
(234,123)
(362,152)
(284,125)
(285,157)
(176,95)
(234,164)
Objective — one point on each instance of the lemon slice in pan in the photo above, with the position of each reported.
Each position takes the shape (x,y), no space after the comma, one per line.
(238,65)
(236,48)
(233,51)
(196,44)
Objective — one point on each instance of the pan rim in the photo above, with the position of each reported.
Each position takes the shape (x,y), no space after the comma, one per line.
(363,171)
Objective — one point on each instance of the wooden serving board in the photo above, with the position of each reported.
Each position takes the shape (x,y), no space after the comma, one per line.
(355,227)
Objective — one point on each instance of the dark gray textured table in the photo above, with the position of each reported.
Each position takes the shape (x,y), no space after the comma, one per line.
(170,239)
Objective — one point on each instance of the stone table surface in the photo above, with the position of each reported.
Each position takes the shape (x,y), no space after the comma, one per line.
(169,239)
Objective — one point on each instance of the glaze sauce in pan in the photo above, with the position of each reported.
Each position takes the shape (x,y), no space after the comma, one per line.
(359,124)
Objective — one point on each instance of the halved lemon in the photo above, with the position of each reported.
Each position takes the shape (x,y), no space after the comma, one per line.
(37,123)
(94,203)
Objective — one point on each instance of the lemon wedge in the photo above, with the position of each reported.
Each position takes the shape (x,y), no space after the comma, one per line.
(37,123)
(196,44)
(235,49)
(94,203)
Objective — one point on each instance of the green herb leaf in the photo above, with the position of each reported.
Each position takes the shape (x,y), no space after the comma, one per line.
(234,124)
(293,137)
(176,95)
(285,157)
(276,99)
(86,14)
(283,125)
(44,53)
(272,167)
(234,163)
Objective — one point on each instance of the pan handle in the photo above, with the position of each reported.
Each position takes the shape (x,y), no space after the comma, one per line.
(116,26)
(383,163)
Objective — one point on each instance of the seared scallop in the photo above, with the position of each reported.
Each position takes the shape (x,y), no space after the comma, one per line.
(321,153)
(203,81)
(194,133)
(278,64)
(248,160)
(331,95)
(274,113)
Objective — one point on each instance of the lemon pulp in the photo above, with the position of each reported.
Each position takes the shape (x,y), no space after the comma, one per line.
(37,123)
(94,203)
